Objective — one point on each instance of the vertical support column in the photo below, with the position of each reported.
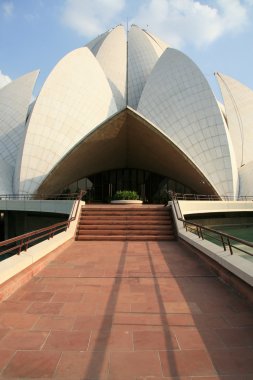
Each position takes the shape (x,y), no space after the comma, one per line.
(110,190)
(143,192)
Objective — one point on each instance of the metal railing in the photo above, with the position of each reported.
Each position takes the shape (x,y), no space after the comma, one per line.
(226,241)
(210,197)
(37,197)
(22,242)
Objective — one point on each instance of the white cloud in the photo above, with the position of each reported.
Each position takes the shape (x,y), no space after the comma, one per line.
(7,8)
(179,22)
(190,21)
(90,18)
(4,79)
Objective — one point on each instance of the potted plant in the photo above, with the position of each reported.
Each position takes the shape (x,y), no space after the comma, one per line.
(126,197)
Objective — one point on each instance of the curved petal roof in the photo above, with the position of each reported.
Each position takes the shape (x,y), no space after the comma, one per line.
(95,44)
(238,100)
(111,53)
(110,76)
(15,98)
(246,179)
(75,98)
(143,53)
(6,176)
(178,99)
(126,140)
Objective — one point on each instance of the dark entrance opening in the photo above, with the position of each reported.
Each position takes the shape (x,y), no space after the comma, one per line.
(151,187)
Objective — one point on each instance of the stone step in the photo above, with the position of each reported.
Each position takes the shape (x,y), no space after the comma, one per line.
(125,237)
(124,218)
(143,226)
(126,222)
(122,209)
(121,213)
(123,232)
(110,223)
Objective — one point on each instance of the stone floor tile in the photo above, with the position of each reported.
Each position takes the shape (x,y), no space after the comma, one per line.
(154,340)
(243,319)
(77,308)
(185,320)
(112,308)
(5,356)
(67,341)
(45,308)
(125,365)
(226,304)
(111,340)
(186,363)
(32,364)
(147,307)
(194,339)
(41,296)
(23,340)
(52,322)
(237,337)
(170,378)
(128,297)
(67,296)
(233,361)
(83,365)
(210,320)
(92,313)
(63,272)
(3,332)
(33,285)
(13,306)
(58,286)
(17,320)
(220,377)
(182,307)
(93,273)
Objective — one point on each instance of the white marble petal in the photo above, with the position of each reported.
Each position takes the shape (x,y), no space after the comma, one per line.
(6,177)
(74,100)
(143,53)
(238,100)
(112,56)
(246,179)
(15,98)
(178,99)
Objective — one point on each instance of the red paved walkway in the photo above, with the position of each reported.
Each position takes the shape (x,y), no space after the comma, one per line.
(126,311)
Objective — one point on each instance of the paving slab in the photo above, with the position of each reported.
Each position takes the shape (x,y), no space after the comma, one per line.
(126,311)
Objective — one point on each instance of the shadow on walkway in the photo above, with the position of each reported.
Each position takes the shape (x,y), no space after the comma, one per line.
(126,311)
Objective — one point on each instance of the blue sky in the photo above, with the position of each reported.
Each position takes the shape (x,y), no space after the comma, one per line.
(217,35)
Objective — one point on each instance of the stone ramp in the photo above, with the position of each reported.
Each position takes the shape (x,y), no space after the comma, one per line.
(118,223)
(126,310)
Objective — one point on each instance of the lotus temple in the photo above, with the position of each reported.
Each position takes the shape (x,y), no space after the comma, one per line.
(123,288)
(126,112)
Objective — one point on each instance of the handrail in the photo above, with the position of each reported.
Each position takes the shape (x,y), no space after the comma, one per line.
(37,197)
(21,242)
(210,197)
(225,239)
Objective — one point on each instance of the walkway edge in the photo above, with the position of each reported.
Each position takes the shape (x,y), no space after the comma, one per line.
(234,270)
(15,282)
(18,269)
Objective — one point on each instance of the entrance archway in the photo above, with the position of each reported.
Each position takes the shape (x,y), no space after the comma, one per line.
(126,141)
(151,187)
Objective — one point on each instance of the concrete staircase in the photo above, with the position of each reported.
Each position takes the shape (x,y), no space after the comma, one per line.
(125,223)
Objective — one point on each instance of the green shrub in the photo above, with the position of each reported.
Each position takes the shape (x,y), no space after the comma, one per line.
(126,195)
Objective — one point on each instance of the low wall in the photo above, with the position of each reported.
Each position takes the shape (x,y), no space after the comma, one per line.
(53,206)
(217,258)
(198,207)
(18,264)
